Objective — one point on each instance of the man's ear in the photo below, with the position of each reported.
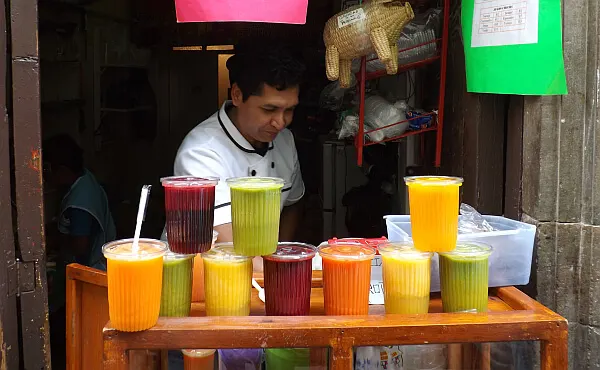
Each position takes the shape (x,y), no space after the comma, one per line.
(236,95)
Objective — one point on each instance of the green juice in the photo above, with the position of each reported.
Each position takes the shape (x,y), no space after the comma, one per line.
(464,275)
(176,298)
(255,211)
(287,358)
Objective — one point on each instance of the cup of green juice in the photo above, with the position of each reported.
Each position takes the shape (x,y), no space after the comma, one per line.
(287,358)
(176,297)
(255,211)
(464,274)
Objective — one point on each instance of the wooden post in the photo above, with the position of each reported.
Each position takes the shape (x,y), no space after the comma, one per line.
(555,352)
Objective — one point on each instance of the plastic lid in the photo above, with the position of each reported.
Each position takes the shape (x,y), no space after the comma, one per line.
(123,250)
(291,251)
(198,352)
(402,250)
(170,256)
(469,250)
(255,182)
(347,251)
(224,252)
(433,180)
(189,181)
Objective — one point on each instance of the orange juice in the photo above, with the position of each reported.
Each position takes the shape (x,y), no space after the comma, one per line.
(134,283)
(406,278)
(346,278)
(227,281)
(198,275)
(434,203)
(198,359)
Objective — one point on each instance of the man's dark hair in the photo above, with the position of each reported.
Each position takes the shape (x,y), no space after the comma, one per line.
(256,64)
(62,150)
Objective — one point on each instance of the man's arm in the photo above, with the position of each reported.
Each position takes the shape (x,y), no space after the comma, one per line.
(290,218)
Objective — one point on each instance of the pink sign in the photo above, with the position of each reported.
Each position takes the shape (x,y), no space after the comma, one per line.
(268,11)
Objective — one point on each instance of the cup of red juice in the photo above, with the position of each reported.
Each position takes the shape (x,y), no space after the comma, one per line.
(288,279)
(190,211)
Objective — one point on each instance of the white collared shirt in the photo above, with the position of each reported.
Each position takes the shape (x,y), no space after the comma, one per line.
(216,148)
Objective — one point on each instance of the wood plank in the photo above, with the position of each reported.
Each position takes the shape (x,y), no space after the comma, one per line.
(74,330)
(514,158)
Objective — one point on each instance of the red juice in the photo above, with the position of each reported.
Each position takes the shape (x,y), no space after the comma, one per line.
(190,211)
(288,279)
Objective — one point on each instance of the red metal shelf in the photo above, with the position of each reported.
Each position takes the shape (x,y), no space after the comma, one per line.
(407,133)
(402,68)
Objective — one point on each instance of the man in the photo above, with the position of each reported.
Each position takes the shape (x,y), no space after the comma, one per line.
(248,136)
(85,224)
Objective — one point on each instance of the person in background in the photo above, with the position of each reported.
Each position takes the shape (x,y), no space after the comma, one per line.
(84,221)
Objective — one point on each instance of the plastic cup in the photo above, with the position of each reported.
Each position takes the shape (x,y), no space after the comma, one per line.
(406,278)
(190,211)
(176,297)
(198,359)
(255,211)
(134,283)
(198,276)
(288,279)
(227,281)
(464,277)
(346,278)
(434,203)
(287,358)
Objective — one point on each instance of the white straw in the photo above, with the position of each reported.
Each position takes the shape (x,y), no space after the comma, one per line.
(140,216)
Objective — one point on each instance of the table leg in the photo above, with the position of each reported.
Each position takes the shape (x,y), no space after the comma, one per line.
(485,355)
(341,358)
(115,357)
(455,356)
(555,352)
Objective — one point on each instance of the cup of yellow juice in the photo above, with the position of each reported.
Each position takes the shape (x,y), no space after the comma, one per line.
(406,278)
(134,283)
(464,274)
(434,202)
(227,281)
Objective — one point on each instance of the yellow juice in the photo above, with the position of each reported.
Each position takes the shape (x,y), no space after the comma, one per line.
(227,281)
(134,283)
(434,203)
(406,278)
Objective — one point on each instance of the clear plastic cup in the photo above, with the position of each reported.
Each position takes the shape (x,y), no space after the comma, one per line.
(190,211)
(346,278)
(287,358)
(464,275)
(406,278)
(227,281)
(255,211)
(434,202)
(198,359)
(198,278)
(288,279)
(134,283)
(176,297)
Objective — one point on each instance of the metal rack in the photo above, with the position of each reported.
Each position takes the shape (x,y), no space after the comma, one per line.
(437,117)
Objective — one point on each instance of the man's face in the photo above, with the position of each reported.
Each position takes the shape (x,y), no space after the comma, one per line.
(260,118)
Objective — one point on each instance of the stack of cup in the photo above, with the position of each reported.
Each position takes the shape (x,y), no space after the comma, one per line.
(288,280)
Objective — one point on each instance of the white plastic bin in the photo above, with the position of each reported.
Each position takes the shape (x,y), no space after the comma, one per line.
(510,261)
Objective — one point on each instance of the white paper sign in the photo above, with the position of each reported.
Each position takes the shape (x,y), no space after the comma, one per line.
(505,22)
(351,17)
(376,294)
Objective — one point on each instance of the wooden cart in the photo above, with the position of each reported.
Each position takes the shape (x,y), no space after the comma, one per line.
(513,316)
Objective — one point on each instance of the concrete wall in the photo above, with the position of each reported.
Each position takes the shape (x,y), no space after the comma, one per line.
(561,186)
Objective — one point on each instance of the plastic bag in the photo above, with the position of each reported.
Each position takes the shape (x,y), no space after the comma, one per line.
(380,113)
(472,221)
(417,357)
(349,127)
(332,96)
(240,359)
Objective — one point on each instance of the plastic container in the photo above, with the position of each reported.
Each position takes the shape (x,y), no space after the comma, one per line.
(134,283)
(346,278)
(255,211)
(227,281)
(288,279)
(176,296)
(198,359)
(512,243)
(464,277)
(190,211)
(406,278)
(287,358)
(434,211)
(198,276)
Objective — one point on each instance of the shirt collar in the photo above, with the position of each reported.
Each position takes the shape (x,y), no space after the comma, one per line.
(234,135)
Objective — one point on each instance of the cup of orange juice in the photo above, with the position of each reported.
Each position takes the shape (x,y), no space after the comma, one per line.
(346,278)
(134,282)
(434,202)
(227,281)
(406,278)
(198,274)
(198,359)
